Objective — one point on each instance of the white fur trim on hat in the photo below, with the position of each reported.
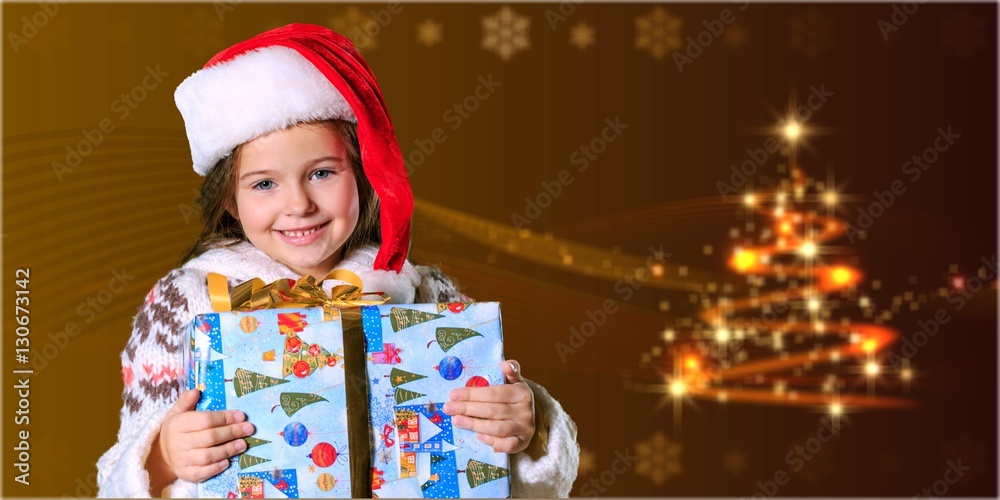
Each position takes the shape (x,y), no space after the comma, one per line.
(235,101)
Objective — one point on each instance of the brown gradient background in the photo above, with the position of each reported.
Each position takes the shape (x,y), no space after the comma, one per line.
(655,185)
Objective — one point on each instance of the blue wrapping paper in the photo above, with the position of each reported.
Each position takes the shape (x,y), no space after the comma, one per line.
(284,368)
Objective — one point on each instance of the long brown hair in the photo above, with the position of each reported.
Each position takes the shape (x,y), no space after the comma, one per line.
(219,192)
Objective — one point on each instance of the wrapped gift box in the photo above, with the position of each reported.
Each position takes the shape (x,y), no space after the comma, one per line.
(287,369)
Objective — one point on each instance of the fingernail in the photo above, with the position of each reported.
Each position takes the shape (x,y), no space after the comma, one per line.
(454,394)
(248,428)
(460,422)
(449,408)
(241,445)
(239,416)
(481,438)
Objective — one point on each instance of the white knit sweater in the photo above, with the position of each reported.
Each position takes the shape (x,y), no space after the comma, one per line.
(151,369)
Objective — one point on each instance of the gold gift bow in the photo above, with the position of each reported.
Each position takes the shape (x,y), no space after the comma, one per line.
(306,292)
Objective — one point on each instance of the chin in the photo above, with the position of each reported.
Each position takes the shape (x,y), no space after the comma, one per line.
(310,263)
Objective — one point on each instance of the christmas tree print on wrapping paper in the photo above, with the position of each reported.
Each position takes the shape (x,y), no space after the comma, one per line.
(246,382)
(303,360)
(247,460)
(447,337)
(425,488)
(251,460)
(402,319)
(404,395)
(252,441)
(399,377)
(292,402)
(478,473)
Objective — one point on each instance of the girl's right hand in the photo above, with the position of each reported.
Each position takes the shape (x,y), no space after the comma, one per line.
(197,445)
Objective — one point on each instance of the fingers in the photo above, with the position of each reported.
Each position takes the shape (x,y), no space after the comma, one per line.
(215,454)
(226,433)
(203,463)
(497,411)
(512,444)
(186,402)
(508,393)
(202,420)
(511,371)
(492,427)
(199,473)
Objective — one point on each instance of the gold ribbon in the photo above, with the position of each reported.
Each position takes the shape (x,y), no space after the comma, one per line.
(305,292)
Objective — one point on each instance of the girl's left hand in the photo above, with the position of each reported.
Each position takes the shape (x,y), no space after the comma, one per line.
(503,416)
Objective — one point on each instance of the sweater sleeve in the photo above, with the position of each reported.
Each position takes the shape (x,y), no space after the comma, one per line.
(548,467)
(151,370)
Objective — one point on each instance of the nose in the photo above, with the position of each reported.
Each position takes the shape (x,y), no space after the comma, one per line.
(299,201)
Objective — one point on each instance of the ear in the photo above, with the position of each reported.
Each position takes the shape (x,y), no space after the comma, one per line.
(231,208)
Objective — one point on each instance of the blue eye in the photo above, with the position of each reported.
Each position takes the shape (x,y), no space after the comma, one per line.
(264,185)
(322,174)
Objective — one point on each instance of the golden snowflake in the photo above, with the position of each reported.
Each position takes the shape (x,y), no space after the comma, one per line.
(735,36)
(506,32)
(356,25)
(964,33)
(429,33)
(658,32)
(659,458)
(588,462)
(820,465)
(811,33)
(581,36)
(734,461)
(384,456)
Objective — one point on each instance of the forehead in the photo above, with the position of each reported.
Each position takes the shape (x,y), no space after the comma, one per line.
(301,142)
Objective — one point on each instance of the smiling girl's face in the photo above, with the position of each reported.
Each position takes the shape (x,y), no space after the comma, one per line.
(297,197)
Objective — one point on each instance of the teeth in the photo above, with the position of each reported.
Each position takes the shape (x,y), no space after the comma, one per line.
(296,234)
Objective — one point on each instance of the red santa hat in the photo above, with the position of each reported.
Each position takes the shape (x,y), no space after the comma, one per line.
(294,74)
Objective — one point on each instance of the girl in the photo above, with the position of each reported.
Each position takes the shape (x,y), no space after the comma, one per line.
(303,175)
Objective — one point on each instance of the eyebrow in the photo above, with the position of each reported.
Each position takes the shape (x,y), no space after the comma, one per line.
(307,165)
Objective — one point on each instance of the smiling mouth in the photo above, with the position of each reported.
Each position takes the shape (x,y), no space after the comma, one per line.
(303,232)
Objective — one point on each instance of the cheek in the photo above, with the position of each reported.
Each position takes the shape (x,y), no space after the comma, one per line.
(355,208)
(252,215)
(347,204)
